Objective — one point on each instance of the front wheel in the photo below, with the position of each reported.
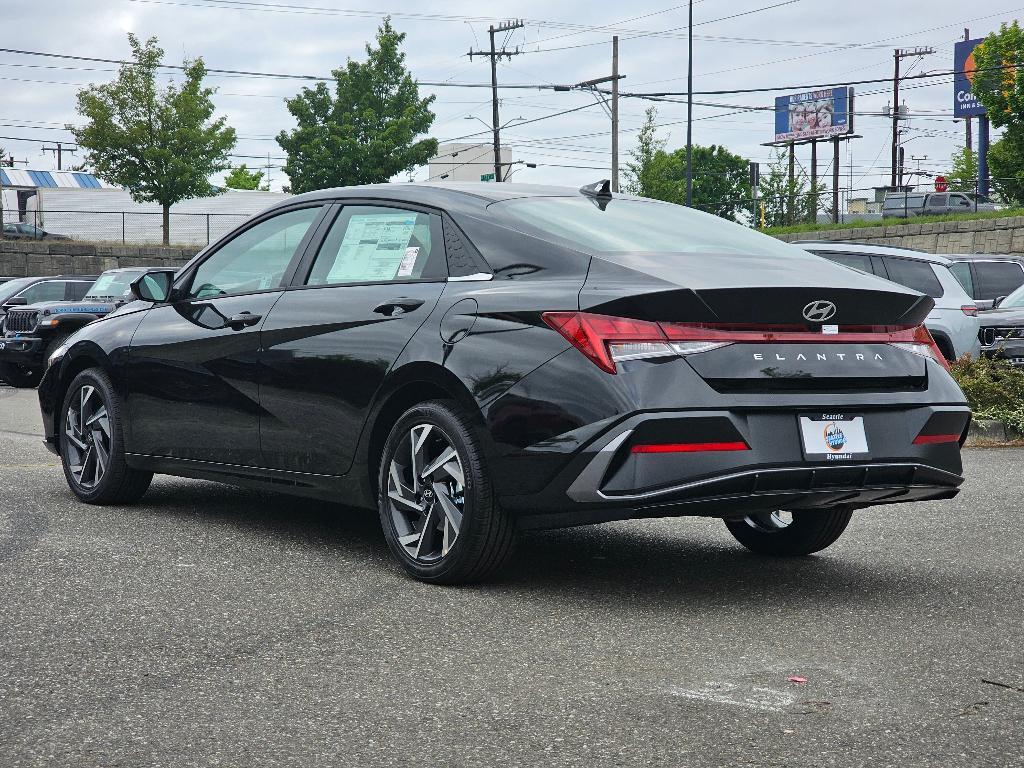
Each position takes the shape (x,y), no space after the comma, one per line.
(92,443)
(437,507)
(20,376)
(790,534)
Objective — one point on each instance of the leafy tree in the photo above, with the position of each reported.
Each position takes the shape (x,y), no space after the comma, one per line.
(780,200)
(241,177)
(964,175)
(366,131)
(159,144)
(1006,166)
(721,180)
(998,83)
(638,172)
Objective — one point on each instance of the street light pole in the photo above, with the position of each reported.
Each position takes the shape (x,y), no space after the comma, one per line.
(689,108)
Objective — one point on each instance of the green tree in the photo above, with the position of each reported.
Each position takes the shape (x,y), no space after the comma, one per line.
(366,131)
(1006,166)
(998,84)
(781,200)
(158,143)
(964,174)
(638,171)
(721,180)
(241,177)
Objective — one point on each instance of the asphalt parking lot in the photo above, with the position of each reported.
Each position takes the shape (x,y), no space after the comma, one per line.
(212,626)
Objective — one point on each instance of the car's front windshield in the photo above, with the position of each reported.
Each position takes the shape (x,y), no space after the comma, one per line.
(11,287)
(112,285)
(1015,299)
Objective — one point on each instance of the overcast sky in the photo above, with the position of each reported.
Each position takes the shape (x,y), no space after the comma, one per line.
(795,43)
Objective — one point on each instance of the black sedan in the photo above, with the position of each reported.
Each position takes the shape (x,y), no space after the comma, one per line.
(22,231)
(475,360)
(1002,329)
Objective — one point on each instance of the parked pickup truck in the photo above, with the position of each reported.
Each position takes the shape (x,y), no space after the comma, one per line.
(906,205)
(31,332)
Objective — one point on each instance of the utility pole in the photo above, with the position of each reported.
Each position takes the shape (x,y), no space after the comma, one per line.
(494,54)
(59,152)
(689,107)
(615,113)
(897,55)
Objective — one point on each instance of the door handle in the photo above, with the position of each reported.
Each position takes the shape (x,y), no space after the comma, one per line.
(398,306)
(242,320)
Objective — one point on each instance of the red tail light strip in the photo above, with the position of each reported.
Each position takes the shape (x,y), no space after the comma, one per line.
(689,447)
(592,334)
(930,439)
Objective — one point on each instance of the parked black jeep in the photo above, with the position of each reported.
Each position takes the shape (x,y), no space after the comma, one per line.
(31,332)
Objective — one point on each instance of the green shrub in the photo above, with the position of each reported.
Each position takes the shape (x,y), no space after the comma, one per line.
(994,389)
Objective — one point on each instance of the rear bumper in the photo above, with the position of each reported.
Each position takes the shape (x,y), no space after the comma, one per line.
(23,350)
(608,481)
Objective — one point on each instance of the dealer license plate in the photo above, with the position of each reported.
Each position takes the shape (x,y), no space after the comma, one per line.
(833,437)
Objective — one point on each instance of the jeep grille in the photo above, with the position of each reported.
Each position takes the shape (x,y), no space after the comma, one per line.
(21,321)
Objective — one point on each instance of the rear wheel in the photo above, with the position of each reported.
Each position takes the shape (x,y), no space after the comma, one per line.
(790,534)
(437,507)
(92,443)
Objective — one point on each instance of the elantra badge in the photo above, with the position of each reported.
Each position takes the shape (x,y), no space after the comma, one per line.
(819,311)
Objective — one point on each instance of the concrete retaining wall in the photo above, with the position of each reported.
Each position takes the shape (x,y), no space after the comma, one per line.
(19,258)
(1004,236)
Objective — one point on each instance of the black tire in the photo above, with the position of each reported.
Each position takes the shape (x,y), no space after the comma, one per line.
(20,376)
(485,536)
(810,531)
(117,483)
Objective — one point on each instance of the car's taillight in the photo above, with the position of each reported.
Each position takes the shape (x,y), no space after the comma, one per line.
(970,310)
(606,340)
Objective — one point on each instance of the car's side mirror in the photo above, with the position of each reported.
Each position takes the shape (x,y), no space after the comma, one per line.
(997,302)
(153,286)
(16,301)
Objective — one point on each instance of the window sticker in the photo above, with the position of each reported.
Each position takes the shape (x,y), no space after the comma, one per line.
(374,247)
(408,265)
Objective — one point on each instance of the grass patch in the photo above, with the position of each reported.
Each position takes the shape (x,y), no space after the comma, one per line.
(859,223)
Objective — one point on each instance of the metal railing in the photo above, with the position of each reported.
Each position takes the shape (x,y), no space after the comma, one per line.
(130,227)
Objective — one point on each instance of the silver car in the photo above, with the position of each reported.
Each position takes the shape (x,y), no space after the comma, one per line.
(953,322)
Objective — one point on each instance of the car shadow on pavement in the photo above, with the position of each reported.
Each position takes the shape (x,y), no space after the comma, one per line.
(645,561)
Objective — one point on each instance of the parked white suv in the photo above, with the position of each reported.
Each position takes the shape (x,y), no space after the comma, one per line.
(954,320)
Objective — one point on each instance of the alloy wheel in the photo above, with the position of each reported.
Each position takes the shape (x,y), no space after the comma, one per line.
(426,493)
(88,439)
(770,522)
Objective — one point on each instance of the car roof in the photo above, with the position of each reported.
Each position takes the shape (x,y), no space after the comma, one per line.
(446,194)
(833,246)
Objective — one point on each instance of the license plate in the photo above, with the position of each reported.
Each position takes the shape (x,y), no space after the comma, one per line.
(833,437)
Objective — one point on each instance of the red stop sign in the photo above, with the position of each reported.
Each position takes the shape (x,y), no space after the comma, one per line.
(940,184)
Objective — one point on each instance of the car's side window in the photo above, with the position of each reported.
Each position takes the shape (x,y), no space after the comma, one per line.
(914,274)
(962,272)
(938,201)
(380,244)
(256,259)
(855,260)
(48,290)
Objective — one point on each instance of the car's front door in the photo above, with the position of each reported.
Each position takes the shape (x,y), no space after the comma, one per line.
(333,336)
(193,377)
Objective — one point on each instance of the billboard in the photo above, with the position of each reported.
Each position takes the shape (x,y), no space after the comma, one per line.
(813,115)
(964,102)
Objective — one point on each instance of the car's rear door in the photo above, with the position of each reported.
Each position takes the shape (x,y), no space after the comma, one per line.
(192,372)
(331,339)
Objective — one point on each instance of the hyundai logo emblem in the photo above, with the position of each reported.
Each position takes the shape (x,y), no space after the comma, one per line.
(819,311)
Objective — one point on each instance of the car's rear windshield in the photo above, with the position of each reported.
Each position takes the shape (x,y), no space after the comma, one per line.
(636,226)
(112,285)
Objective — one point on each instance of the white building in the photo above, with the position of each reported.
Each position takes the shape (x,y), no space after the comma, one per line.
(457,161)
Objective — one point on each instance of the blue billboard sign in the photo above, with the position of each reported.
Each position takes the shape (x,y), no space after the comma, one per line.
(965,104)
(820,114)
